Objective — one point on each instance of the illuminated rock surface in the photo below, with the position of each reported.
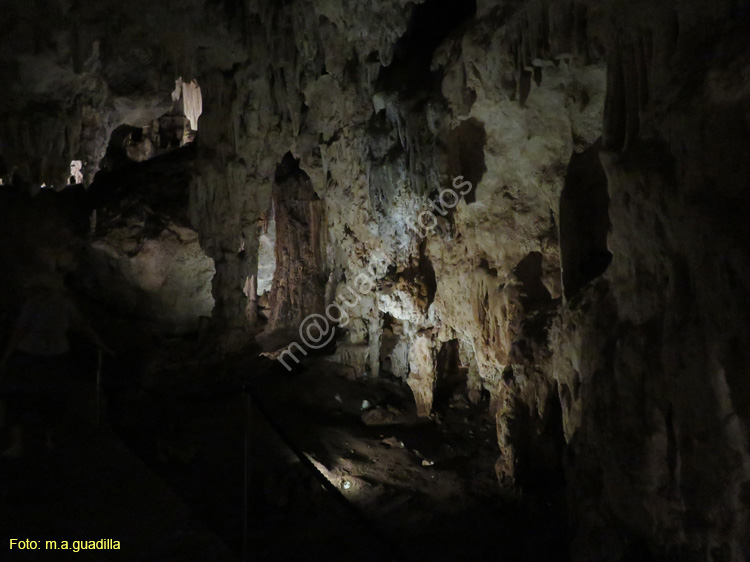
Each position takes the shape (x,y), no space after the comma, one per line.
(587,290)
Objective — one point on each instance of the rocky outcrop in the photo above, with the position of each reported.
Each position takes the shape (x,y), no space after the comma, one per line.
(555,191)
(554,271)
(144,259)
(299,281)
(164,277)
(73,73)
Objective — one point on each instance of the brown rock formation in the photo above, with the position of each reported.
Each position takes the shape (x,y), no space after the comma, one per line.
(299,282)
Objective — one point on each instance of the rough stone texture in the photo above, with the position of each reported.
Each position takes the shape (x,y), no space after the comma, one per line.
(144,259)
(594,276)
(298,285)
(164,278)
(73,72)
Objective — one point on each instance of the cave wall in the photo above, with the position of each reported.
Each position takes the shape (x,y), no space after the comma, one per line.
(73,71)
(637,351)
(658,339)
(642,357)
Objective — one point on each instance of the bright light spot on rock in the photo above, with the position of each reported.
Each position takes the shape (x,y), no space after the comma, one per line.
(353,489)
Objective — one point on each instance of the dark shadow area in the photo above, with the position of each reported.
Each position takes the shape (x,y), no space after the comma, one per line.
(392,329)
(160,183)
(529,272)
(403,470)
(450,379)
(465,146)
(129,144)
(584,221)
(431,23)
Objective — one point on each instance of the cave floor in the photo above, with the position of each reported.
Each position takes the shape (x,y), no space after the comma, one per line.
(92,487)
(338,469)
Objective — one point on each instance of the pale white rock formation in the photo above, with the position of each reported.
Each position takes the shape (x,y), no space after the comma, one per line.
(177,92)
(192,102)
(75,172)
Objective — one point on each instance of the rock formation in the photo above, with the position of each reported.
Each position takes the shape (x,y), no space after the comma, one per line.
(557,189)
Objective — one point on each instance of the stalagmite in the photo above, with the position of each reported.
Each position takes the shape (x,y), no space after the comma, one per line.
(192,102)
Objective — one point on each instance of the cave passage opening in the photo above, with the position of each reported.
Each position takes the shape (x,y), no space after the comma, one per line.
(431,23)
(584,221)
(466,160)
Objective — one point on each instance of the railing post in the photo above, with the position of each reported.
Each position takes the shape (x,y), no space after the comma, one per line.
(245,507)
(99,389)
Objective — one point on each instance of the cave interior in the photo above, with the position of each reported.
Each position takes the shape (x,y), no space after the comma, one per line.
(400,280)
